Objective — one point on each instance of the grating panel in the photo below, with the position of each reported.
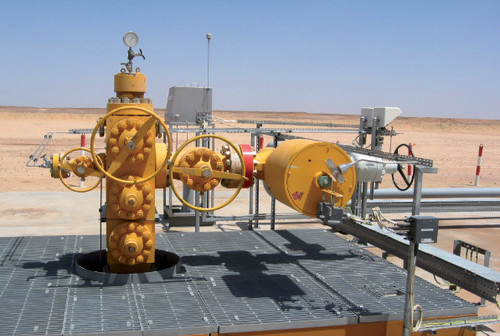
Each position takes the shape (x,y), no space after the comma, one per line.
(230,281)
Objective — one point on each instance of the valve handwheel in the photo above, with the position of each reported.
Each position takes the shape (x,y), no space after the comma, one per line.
(407,180)
(127,150)
(82,166)
(206,170)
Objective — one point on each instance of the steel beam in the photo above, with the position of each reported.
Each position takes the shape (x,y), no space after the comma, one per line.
(473,277)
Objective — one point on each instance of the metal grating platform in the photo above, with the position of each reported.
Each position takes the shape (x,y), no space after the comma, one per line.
(229,281)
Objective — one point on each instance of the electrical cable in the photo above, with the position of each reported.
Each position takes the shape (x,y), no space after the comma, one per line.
(417,326)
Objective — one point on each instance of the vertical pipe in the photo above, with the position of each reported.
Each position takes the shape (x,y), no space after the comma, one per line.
(478,168)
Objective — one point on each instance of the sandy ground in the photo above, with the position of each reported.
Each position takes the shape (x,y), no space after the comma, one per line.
(451,143)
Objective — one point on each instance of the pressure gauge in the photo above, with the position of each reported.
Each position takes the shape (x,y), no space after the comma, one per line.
(130,39)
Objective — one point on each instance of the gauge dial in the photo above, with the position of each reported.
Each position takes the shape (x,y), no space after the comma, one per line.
(130,39)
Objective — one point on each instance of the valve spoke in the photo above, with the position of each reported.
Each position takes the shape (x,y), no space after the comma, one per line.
(119,159)
(73,166)
(227,175)
(188,171)
(144,129)
(126,151)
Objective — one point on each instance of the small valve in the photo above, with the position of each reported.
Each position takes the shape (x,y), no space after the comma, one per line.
(130,39)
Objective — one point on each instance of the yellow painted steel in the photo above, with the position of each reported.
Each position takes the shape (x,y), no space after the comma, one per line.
(130,172)
(131,243)
(291,173)
(82,166)
(161,155)
(54,169)
(130,202)
(260,162)
(204,169)
(130,85)
(199,158)
(135,129)
(130,165)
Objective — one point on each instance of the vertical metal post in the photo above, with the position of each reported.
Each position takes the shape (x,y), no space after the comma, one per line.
(205,197)
(212,194)
(364,189)
(209,37)
(273,213)
(101,216)
(412,257)
(356,200)
(417,191)
(273,200)
(410,285)
(374,133)
(478,167)
(164,191)
(82,152)
(250,190)
(362,131)
(196,212)
(257,182)
(170,193)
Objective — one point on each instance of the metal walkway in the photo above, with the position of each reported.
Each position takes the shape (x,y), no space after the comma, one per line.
(229,282)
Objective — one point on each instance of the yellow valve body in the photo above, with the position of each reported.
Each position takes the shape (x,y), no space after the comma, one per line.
(130,202)
(131,244)
(203,158)
(56,166)
(161,180)
(130,215)
(130,85)
(292,169)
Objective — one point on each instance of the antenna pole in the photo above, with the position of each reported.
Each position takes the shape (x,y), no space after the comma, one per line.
(209,37)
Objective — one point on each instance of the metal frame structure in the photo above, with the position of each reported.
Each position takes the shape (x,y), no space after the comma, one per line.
(207,126)
(40,150)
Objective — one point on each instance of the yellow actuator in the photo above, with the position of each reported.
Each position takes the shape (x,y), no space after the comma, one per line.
(297,173)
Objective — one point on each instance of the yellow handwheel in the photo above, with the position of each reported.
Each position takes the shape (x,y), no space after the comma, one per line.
(126,151)
(206,172)
(80,168)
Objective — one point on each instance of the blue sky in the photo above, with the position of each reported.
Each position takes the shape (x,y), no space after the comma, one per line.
(431,58)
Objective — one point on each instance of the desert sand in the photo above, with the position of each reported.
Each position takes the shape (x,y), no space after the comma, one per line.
(451,143)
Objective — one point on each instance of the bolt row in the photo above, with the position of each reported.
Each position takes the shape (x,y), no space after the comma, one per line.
(130,231)
(126,100)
